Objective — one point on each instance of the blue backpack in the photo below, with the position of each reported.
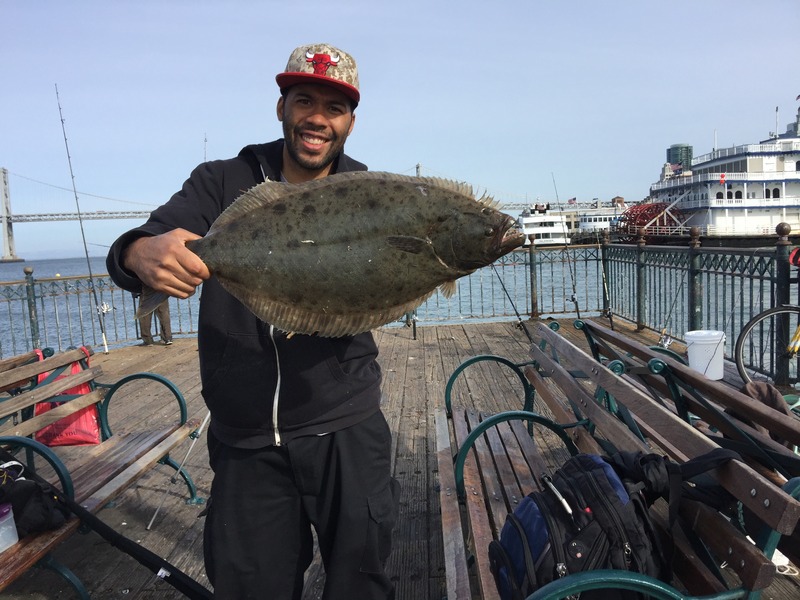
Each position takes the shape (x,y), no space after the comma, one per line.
(593,514)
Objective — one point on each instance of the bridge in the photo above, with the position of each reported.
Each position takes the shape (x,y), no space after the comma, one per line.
(7,219)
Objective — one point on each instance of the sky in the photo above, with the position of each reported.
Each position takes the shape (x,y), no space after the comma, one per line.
(524,99)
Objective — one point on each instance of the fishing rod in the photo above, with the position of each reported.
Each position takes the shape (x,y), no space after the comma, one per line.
(520,322)
(606,294)
(100,309)
(174,478)
(570,265)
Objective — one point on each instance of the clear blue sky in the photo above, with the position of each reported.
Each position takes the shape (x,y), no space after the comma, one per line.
(507,95)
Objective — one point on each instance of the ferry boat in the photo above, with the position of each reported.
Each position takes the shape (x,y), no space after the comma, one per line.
(737,193)
(543,226)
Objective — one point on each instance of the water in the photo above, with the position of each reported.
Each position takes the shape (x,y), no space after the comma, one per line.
(68,312)
(53,268)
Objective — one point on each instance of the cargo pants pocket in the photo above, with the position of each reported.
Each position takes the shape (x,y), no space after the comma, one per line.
(383,509)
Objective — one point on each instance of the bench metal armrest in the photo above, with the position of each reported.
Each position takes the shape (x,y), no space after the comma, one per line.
(31,445)
(112,389)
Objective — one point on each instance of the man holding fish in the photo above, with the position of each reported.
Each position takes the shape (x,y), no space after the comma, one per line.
(301,252)
(297,438)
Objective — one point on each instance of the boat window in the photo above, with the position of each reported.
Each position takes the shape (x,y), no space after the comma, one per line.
(776,193)
(720,196)
(766,193)
(739,194)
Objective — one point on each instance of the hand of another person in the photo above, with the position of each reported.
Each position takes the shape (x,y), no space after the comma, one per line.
(165,264)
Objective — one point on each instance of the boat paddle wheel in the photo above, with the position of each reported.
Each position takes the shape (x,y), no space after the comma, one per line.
(658,220)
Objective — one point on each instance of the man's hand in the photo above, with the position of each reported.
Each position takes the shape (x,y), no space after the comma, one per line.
(165,264)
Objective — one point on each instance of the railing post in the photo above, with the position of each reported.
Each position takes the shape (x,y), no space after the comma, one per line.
(782,292)
(782,267)
(534,281)
(695,282)
(641,282)
(33,315)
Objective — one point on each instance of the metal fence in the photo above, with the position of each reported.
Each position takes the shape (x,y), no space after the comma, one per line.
(669,289)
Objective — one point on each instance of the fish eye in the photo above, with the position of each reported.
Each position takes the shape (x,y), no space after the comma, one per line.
(489,232)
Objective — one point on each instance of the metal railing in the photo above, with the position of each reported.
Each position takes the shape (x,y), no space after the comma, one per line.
(669,289)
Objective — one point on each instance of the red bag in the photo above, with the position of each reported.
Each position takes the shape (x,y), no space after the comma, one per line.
(78,429)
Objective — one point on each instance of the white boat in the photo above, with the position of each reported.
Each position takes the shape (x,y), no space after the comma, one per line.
(543,226)
(737,192)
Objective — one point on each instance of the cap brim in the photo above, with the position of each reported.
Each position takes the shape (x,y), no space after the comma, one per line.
(288,79)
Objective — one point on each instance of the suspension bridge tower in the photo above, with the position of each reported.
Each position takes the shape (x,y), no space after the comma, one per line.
(9,254)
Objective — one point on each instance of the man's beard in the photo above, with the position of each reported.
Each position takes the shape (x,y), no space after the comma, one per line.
(315,163)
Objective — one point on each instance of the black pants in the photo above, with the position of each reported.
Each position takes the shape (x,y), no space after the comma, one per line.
(258,541)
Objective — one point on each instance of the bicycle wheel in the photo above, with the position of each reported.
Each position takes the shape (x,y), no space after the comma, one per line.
(765,351)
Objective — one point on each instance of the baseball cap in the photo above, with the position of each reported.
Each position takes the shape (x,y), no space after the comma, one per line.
(322,63)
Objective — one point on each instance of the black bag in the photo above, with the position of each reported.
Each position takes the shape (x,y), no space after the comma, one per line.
(593,514)
(34,503)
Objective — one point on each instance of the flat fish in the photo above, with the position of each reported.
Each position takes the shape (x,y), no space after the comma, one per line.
(353,251)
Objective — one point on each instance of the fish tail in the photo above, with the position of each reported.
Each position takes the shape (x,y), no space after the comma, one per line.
(151,300)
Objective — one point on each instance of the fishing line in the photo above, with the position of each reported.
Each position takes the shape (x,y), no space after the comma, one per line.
(101,310)
(511,300)
(569,261)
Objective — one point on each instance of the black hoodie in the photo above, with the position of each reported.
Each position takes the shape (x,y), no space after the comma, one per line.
(320,384)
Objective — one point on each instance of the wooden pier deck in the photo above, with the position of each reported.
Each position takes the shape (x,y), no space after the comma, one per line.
(415,374)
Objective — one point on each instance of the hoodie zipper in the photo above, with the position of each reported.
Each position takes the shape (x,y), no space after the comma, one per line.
(277,388)
(277,364)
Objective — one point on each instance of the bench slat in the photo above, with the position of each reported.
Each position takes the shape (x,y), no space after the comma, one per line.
(45,392)
(771,504)
(479,525)
(28,371)
(455,555)
(34,424)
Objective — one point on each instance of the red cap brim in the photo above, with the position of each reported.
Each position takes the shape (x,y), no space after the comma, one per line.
(286,80)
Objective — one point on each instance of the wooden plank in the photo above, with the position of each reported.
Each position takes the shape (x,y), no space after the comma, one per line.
(455,555)
(579,435)
(132,472)
(475,499)
(44,392)
(34,424)
(27,371)
(773,505)
(774,420)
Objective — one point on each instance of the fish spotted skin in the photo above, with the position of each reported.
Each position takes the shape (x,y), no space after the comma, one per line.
(352,251)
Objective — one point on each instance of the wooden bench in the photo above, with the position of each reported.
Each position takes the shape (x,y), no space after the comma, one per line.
(709,406)
(504,463)
(93,475)
(696,398)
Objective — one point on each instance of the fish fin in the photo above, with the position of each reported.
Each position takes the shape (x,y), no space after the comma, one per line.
(258,196)
(151,300)
(296,321)
(407,243)
(449,289)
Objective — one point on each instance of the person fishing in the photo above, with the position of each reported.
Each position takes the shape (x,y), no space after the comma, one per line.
(297,438)
(146,321)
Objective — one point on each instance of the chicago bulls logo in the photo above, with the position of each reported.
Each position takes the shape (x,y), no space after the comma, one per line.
(321,62)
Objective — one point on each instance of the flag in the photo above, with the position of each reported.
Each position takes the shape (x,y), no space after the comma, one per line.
(722,179)
(572,201)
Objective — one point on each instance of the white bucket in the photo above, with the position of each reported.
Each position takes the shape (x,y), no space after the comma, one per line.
(8,530)
(707,352)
